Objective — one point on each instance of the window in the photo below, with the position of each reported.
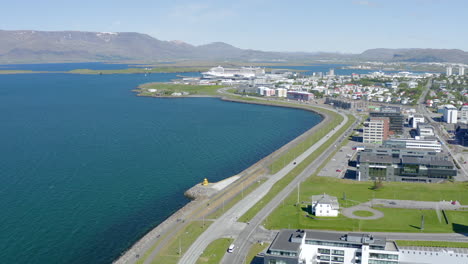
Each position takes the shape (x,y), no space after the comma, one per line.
(338,252)
(323,257)
(384,256)
(276,261)
(323,251)
(337,259)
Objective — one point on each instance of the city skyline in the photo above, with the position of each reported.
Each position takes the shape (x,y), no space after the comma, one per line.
(345,26)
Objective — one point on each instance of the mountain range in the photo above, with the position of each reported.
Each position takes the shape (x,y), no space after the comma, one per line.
(77,46)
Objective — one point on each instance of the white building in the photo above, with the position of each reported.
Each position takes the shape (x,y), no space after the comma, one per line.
(409,143)
(320,247)
(281,92)
(425,130)
(325,205)
(244,72)
(461,70)
(450,114)
(416,119)
(464,114)
(449,70)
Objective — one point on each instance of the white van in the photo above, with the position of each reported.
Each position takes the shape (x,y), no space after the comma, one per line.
(231,248)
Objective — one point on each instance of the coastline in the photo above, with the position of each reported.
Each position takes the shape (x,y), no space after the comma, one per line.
(145,243)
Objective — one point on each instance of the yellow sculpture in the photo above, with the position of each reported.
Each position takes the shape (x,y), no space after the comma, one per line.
(205,182)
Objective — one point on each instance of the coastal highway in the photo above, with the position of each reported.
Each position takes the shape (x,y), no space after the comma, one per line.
(223,226)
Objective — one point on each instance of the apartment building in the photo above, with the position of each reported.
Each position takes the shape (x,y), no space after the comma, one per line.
(376,130)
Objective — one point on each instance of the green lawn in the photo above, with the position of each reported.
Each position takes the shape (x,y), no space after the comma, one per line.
(215,251)
(286,215)
(170,254)
(254,250)
(444,244)
(166,89)
(363,213)
(278,186)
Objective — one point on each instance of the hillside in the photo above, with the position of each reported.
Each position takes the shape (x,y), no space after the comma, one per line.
(27,46)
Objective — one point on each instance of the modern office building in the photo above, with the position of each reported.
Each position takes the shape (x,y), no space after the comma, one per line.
(321,247)
(464,114)
(425,130)
(450,114)
(462,134)
(300,96)
(376,130)
(395,116)
(415,120)
(398,164)
(410,143)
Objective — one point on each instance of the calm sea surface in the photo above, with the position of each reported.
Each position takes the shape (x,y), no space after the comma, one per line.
(87,167)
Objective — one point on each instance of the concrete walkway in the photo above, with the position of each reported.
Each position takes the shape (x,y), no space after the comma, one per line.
(349,212)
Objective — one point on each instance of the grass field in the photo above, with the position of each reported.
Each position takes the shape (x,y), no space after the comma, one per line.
(254,250)
(445,244)
(170,254)
(278,186)
(286,215)
(215,251)
(166,89)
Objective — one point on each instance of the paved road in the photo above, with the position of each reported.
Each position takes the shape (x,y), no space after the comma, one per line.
(222,226)
(462,175)
(246,238)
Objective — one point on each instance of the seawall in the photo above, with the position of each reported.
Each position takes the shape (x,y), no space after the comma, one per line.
(142,245)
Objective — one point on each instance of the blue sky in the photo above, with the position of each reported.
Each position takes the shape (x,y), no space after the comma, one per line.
(312,25)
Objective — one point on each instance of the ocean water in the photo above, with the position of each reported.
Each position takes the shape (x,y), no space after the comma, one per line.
(87,167)
(67,66)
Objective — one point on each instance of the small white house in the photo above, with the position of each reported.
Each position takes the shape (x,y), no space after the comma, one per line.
(325,205)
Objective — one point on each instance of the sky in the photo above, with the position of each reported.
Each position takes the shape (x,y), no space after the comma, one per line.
(345,26)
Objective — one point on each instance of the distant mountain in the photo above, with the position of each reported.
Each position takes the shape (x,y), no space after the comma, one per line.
(415,55)
(76,46)
(44,46)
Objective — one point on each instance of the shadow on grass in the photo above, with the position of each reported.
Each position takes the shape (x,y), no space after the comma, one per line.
(257,260)
(460,229)
(417,227)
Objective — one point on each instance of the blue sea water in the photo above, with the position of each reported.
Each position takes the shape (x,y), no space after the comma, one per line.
(87,167)
(67,66)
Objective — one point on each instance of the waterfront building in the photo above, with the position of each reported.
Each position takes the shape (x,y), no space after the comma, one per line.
(449,70)
(394,115)
(322,247)
(402,164)
(243,72)
(300,96)
(325,205)
(331,72)
(281,92)
(376,130)
(425,130)
(450,114)
(409,143)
